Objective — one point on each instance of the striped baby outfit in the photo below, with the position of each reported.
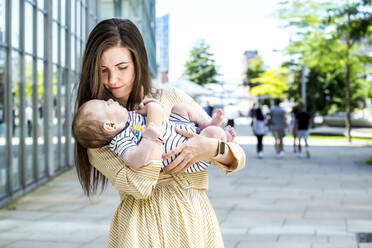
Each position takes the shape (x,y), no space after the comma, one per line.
(130,136)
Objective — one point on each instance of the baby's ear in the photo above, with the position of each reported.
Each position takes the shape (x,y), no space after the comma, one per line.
(110,126)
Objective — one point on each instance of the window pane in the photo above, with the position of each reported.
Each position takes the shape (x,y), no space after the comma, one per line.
(78,55)
(55,9)
(64,79)
(83,23)
(63,12)
(63,47)
(55,42)
(73,30)
(15,23)
(30,122)
(15,118)
(2,20)
(28,28)
(40,4)
(73,53)
(57,126)
(3,178)
(40,34)
(78,19)
(40,109)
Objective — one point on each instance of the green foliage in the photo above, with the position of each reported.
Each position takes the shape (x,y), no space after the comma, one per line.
(328,44)
(11,207)
(201,68)
(369,162)
(255,68)
(273,82)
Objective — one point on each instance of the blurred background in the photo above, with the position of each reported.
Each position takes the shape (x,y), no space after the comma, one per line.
(225,55)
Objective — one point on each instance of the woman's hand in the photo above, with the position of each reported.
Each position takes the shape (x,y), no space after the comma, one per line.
(195,149)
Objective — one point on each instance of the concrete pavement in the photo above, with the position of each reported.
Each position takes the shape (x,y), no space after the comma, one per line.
(321,202)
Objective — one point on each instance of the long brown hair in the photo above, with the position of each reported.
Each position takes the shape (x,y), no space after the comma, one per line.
(106,34)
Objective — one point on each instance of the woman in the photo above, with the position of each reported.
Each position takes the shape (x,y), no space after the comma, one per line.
(259,126)
(156,209)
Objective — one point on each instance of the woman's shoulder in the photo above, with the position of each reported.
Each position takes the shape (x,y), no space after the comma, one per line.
(174,95)
(173,92)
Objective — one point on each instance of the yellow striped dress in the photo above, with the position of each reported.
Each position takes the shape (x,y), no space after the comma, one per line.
(159,210)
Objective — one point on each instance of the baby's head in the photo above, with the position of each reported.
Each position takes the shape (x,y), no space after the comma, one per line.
(97,121)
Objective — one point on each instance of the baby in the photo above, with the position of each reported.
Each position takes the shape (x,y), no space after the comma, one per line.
(98,123)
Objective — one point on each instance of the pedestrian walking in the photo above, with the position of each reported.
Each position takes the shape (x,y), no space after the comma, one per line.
(252,113)
(208,108)
(158,208)
(293,127)
(28,117)
(303,122)
(278,123)
(259,129)
(230,113)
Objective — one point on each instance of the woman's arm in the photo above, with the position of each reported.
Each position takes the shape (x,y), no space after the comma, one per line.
(234,158)
(190,152)
(137,183)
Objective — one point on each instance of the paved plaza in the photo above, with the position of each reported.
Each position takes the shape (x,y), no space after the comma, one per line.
(292,202)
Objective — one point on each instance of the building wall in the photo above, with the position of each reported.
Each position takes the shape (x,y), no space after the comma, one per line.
(41,44)
(162,37)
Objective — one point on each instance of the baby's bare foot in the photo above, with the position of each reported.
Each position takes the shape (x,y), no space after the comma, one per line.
(230,133)
(217,118)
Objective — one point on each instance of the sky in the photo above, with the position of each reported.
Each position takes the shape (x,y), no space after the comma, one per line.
(229,27)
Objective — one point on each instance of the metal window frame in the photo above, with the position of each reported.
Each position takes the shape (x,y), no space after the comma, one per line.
(53,166)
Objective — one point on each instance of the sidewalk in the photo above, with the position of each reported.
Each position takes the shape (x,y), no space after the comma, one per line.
(291,202)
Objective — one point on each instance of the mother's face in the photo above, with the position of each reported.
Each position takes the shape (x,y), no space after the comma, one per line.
(117,70)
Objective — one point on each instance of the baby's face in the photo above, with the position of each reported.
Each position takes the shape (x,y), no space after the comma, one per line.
(109,110)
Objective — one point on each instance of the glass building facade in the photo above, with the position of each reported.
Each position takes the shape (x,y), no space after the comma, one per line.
(41,45)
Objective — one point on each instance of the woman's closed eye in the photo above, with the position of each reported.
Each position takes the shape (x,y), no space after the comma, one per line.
(123,68)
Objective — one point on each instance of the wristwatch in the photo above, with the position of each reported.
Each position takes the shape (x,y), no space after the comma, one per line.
(221,149)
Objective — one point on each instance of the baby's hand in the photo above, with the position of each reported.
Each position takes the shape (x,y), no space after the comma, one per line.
(146,103)
(152,132)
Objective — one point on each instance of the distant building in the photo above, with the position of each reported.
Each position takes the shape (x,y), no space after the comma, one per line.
(162,47)
(248,55)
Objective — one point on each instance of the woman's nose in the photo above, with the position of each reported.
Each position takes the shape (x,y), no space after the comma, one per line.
(113,80)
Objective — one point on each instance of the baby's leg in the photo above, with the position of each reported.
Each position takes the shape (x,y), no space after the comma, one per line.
(214,132)
(228,134)
(201,118)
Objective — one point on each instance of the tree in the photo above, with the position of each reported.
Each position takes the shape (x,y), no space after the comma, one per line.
(353,22)
(327,45)
(200,68)
(273,82)
(255,68)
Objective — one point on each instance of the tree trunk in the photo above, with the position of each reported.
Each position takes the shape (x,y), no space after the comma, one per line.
(347,83)
(348,94)
(348,103)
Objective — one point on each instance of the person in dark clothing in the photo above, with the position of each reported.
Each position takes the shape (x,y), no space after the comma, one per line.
(259,129)
(292,126)
(302,124)
(252,113)
(208,108)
